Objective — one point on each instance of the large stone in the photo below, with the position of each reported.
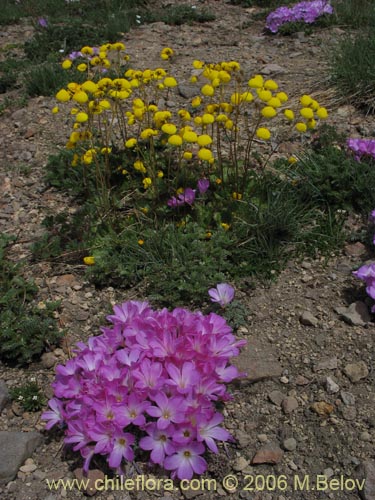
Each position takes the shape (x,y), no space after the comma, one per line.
(271,453)
(15,448)
(326,364)
(366,471)
(308,319)
(357,314)
(258,361)
(4,395)
(188,90)
(356,371)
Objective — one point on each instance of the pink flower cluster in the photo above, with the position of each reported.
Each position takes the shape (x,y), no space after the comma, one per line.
(367,272)
(362,147)
(149,381)
(188,195)
(307,12)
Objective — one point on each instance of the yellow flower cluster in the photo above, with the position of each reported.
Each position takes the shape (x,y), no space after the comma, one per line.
(226,109)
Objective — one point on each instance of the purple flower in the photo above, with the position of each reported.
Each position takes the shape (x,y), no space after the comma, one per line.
(186,461)
(188,197)
(362,147)
(159,442)
(42,22)
(154,374)
(223,294)
(307,12)
(203,185)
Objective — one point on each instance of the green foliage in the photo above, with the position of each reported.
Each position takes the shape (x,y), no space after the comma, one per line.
(328,176)
(46,79)
(25,330)
(354,13)
(29,396)
(9,71)
(179,14)
(353,71)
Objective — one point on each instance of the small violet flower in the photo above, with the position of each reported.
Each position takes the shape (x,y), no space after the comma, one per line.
(223,294)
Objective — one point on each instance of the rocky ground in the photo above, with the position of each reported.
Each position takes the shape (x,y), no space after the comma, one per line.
(304,418)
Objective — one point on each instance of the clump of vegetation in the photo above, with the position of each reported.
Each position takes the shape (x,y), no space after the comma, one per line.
(29,396)
(25,329)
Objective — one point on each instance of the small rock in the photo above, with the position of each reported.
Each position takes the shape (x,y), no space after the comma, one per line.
(365,436)
(322,408)
(328,472)
(349,413)
(259,362)
(263,438)
(355,249)
(92,476)
(18,446)
(276,397)
(284,380)
(367,472)
(243,438)
(289,444)
(28,468)
(326,364)
(356,314)
(289,404)
(82,315)
(240,464)
(270,453)
(308,319)
(4,395)
(356,371)
(348,398)
(274,69)
(188,90)
(331,386)
(48,360)
(301,380)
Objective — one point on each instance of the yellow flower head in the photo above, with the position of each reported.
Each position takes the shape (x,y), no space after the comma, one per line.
(305,100)
(204,140)
(138,165)
(237,196)
(147,182)
(270,85)
(208,90)
(148,132)
(160,174)
(169,81)
(190,136)
(175,140)
(89,260)
(301,127)
(235,99)
(67,64)
(141,242)
(263,133)
(282,96)
(307,113)
(82,67)
(205,154)
(264,95)
(82,117)
(288,113)
(256,82)
(196,102)
(169,128)
(166,53)
(268,112)
(274,102)
(225,226)
(188,155)
(198,64)
(87,50)
(184,115)
(63,95)
(81,97)
(322,113)
(207,118)
(55,110)
(130,143)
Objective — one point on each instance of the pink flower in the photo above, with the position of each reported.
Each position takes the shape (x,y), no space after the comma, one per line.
(121,449)
(167,411)
(223,294)
(209,431)
(159,442)
(186,461)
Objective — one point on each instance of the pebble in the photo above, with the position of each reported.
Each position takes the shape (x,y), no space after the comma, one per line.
(240,464)
(270,453)
(326,364)
(290,444)
(331,386)
(349,412)
(276,397)
(289,404)
(356,371)
(357,314)
(348,398)
(308,319)
(28,468)
(365,436)
(263,438)
(48,360)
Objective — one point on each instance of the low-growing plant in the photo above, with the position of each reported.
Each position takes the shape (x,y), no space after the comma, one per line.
(45,79)
(352,70)
(150,382)
(29,396)
(25,329)
(179,14)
